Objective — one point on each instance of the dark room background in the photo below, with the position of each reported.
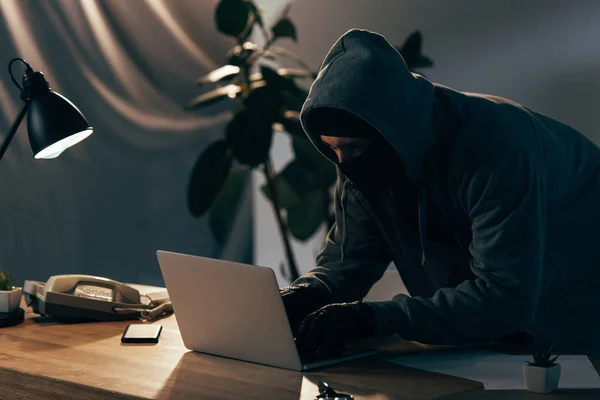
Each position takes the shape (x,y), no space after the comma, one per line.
(105,206)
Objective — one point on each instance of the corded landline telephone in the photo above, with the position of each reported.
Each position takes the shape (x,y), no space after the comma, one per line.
(87,297)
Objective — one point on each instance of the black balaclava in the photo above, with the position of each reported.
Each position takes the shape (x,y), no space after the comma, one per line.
(376,168)
(380,166)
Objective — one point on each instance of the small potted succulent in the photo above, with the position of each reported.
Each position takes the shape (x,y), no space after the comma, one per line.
(543,374)
(10,296)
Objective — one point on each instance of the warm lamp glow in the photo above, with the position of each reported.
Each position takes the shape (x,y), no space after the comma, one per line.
(54,150)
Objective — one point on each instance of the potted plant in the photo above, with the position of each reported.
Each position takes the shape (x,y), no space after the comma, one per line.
(264,100)
(10,296)
(542,375)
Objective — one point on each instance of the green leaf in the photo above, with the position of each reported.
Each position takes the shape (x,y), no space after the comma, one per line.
(294,182)
(257,13)
(300,178)
(214,96)
(411,52)
(219,74)
(294,100)
(292,96)
(305,218)
(247,33)
(285,193)
(263,103)
(208,176)
(225,207)
(275,80)
(307,153)
(423,62)
(285,28)
(232,16)
(240,54)
(249,138)
(314,162)
(255,17)
(295,73)
(290,55)
(6,281)
(290,120)
(411,49)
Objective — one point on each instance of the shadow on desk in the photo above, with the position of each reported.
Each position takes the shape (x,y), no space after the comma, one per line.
(201,375)
(43,333)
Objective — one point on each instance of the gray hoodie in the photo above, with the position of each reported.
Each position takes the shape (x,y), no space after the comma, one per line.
(519,191)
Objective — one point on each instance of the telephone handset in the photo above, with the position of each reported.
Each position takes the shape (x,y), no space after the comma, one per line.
(93,287)
(87,297)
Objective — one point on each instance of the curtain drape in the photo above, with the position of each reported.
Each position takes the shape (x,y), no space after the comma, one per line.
(106,205)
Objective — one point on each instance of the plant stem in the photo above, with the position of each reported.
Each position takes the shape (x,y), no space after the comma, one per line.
(283,230)
(290,56)
(268,40)
(246,77)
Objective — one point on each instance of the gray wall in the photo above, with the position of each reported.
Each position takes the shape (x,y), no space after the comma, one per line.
(542,53)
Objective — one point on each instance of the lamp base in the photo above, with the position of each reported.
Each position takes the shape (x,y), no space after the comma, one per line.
(13,318)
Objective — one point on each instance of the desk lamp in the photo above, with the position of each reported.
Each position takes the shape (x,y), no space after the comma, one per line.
(53,122)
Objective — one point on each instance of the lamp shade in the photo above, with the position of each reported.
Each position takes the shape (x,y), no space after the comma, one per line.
(54,124)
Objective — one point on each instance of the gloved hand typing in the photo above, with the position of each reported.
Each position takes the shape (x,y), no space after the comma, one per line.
(299,301)
(325,333)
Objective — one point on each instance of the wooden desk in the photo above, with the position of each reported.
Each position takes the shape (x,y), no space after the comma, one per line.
(44,360)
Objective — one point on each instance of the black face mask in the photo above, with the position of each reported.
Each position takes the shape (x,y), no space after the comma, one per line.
(377,168)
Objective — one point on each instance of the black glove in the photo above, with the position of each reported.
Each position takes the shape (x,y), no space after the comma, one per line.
(299,301)
(325,333)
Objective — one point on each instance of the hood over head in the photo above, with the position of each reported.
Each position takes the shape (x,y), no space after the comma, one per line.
(365,75)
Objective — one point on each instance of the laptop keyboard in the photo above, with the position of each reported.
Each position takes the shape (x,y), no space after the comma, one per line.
(348,352)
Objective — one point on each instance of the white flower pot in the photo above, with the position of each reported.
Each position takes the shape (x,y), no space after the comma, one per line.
(10,300)
(541,379)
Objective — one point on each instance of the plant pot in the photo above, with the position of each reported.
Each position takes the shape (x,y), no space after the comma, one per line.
(541,379)
(10,300)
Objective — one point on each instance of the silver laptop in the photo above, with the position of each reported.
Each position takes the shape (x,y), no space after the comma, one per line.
(234,310)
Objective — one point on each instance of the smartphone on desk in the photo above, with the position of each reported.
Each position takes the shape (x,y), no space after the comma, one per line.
(141,333)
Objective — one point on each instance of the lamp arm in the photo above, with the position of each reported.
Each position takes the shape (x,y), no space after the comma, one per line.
(13,128)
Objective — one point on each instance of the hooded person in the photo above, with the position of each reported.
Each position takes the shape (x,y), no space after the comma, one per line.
(488,210)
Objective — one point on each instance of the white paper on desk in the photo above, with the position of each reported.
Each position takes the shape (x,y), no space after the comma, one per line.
(499,371)
(460,363)
(505,372)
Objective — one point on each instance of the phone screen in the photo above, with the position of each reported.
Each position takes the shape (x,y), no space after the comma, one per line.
(141,333)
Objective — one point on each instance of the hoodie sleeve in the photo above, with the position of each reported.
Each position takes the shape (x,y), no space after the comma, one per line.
(355,255)
(504,196)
